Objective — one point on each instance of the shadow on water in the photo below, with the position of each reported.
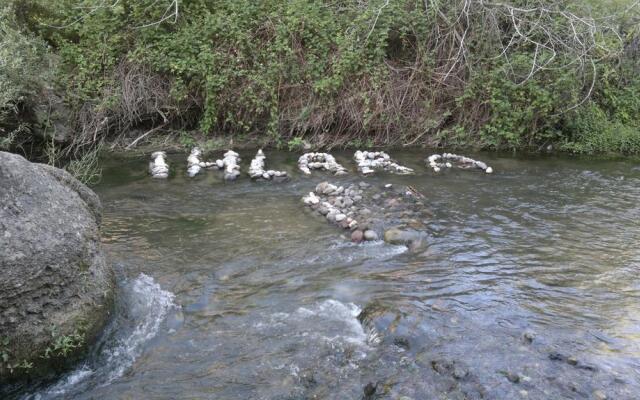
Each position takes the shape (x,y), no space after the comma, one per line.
(529,288)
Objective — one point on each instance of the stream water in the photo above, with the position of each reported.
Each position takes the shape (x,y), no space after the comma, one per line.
(529,288)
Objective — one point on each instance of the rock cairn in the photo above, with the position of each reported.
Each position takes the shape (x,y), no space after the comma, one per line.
(370,161)
(231,164)
(439,161)
(158,167)
(194,164)
(322,161)
(257,169)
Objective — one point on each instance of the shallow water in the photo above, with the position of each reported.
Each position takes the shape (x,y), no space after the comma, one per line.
(234,291)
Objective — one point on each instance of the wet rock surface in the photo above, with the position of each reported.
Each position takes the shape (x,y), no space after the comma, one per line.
(55,286)
(425,363)
(369,212)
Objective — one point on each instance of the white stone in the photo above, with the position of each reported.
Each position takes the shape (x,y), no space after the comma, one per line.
(158,166)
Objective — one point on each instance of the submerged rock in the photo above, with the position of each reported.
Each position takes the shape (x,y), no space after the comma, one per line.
(158,167)
(56,289)
(257,169)
(370,161)
(447,160)
(322,161)
(408,237)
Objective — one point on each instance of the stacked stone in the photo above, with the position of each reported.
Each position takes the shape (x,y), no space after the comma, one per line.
(339,206)
(257,171)
(439,161)
(158,167)
(194,164)
(397,214)
(231,164)
(369,161)
(322,161)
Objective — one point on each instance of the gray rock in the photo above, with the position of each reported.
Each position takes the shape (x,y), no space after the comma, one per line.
(340,217)
(410,238)
(54,281)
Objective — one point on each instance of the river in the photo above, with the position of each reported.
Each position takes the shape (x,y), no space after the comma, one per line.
(529,287)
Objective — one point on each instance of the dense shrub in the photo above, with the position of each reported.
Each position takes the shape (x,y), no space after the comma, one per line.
(24,63)
(458,73)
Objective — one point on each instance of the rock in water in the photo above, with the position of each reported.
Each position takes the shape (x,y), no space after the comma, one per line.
(56,290)
(322,161)
(370,161)
(415,240)
(447,160)
(195,164)
(158,167)
(231,165)
(257,169)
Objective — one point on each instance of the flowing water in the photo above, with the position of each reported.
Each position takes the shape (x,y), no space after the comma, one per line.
(529,288)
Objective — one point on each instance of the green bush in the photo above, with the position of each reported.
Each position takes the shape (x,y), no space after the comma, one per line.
(344,72)
(24,66)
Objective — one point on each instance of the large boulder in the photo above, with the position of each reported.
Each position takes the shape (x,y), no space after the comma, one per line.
(56,290)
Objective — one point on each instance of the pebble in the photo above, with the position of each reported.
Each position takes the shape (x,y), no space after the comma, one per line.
(529,336)
(599,395)
(370,235)
(357,236)
(340,217)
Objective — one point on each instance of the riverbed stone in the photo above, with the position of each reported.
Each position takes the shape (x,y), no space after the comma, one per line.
(397,235)
(55,285)
(370,235)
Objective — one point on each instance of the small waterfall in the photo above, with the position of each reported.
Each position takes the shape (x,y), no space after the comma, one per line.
(142,307)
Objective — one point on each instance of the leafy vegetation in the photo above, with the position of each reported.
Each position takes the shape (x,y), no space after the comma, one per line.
(520,74)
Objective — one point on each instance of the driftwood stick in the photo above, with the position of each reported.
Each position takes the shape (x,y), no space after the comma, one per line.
(132,144)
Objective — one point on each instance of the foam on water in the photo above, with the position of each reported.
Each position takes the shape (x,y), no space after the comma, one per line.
(144,305)
(376,249)
(330,321)
(333,311)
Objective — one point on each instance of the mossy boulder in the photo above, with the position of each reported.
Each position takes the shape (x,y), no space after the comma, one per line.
(56,289)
